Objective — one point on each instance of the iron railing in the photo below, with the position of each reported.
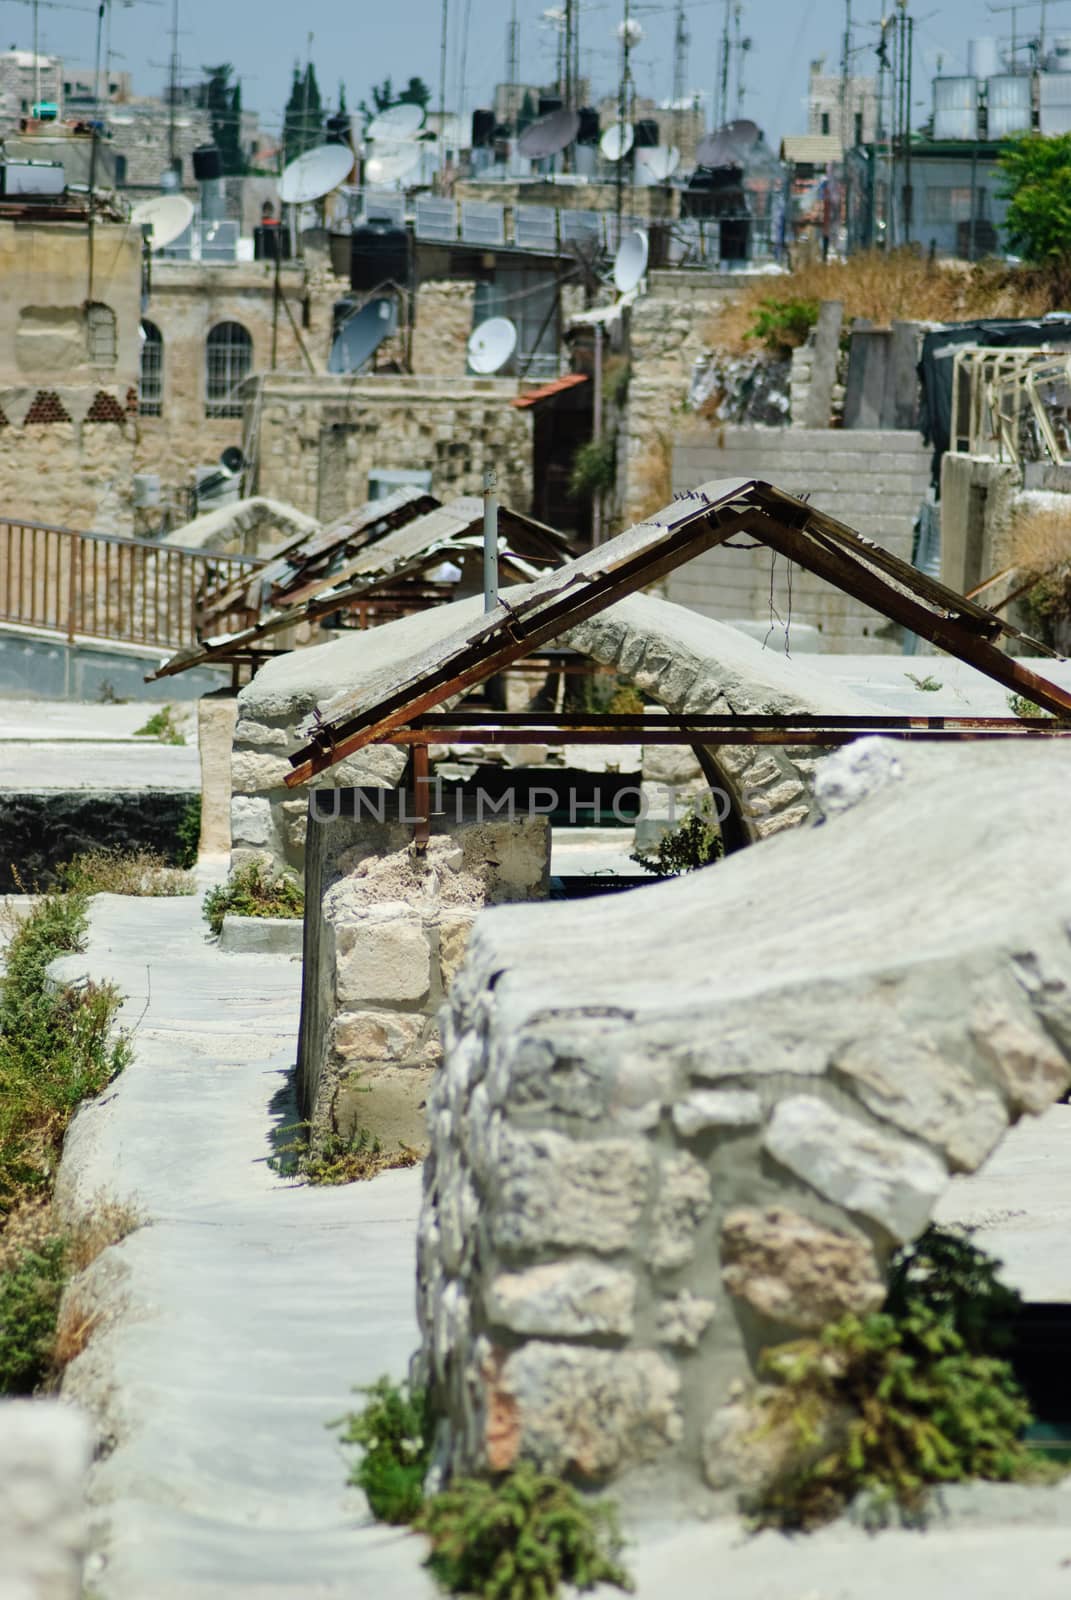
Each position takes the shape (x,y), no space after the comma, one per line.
(101,586)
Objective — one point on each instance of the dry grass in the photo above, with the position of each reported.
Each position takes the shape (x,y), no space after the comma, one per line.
(132,872)
(104,1224)
(884,288)
(75,1326)
(1041,540)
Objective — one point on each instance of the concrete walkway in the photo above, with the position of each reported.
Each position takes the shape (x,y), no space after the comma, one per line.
(61,744)
(238,1320)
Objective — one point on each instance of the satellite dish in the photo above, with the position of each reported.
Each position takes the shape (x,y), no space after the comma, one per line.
(360,337)
(658,162)
(168,215)
(492,344)
(396,122)
(385,163)
(617,141)
(717,150)
(743,132)
(549,135)
(632,31)
(630,263)
(315,174)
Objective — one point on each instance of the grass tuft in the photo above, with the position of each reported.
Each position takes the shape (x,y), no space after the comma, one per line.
(131,872)
(254,890)
(162,727)
(335,1160)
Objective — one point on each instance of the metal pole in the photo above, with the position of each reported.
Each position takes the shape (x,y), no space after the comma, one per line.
(36,61)
(442,91)
(490,539)
(596,434)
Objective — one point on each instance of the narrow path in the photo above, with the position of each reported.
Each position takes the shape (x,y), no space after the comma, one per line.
(238,1321)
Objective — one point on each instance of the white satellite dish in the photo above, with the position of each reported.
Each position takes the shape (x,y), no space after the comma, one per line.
(630,263)
(632,31)
(396,122)
(492,344)
(168,215)
(386,163)
(315,174)
(616,142)
(657,162)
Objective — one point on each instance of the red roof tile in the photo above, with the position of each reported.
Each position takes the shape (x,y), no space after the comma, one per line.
(547,391)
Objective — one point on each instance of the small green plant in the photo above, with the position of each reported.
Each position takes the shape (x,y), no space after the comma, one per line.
(30,1291)
(946,1273)
(134,872)
(782,325)
(188,834)
(161,726)
(696,843)
(594,469)
(1020,706)
(336,1159)
(394,1432)
(521,1537)
(254,890)
(928,684)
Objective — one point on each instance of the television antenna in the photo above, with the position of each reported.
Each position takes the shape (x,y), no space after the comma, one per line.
(491,345)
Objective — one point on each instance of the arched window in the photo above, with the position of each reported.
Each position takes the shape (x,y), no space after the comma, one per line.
(151,387)
(101,337)
(228,359)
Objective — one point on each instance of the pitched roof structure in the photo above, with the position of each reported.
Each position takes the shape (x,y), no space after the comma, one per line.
(317,577)
(712,515)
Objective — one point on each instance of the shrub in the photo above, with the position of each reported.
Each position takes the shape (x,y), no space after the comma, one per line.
(696,843)
(30,1292)
(254,890)
(134,872)
(161,726)
(782,325)
(948,1275)
(336,1160)
(188,834)
(394,1433)
(520,1538)
(1037,185)
(594,469)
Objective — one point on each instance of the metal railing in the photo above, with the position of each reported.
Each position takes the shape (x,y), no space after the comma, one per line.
(101,586)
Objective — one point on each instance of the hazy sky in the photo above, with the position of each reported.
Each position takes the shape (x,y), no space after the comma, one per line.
(361,42)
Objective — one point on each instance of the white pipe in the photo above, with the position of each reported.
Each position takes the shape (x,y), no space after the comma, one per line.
(490,540)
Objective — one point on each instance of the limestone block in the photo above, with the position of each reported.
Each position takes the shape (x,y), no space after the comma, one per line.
(454,930)
(253,773)
(251,821)
(378,1036)
(45,1453)
(670,764)
(791,1270)
(906,1081)
(296,823)
(1029,1068)
(251,735)
(716,1108)
(683,1319)
(748,1445)
(383,957)
(587,1411)
(215,731)
(889,1180)
(554,1191)
(564,1299)
(681,1203)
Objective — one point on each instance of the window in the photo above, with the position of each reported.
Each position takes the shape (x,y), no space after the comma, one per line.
(101,335)
(229,359)
(858,127)
(952,203)
(825,121)
(151,387)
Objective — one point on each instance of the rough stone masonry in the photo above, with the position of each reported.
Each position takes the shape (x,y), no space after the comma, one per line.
(677,1125)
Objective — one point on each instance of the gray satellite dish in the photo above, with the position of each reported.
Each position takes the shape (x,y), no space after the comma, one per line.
(716,150)
(168,215)
(630,263)
(657,162)
(315,174)
(491,345)
(616,142)
(386,163)
(549,135)
(396,122)
(358,339)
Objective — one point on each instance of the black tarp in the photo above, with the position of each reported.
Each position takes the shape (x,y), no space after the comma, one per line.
(938,354)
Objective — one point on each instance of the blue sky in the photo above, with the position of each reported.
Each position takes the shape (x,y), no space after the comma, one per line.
(362,42)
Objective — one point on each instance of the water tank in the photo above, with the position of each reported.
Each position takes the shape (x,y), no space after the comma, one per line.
(589,126)
(379,253)
(483,129)
(549,103)
(1010,105)
(32,178)
(1058,58)
(983,58)
(955,108)
(207,163)
(646,133)
(1054,102)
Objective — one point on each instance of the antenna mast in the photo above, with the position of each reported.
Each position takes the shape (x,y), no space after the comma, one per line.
(442,89)
(172,88)
(680,73)
(513,66)
(623,108)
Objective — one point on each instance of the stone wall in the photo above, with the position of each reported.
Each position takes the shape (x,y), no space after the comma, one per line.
(321,437)
(873,481)
(977,500)
(441,328)
(45,1454)
(68,470)
(675,1126)
(386,928)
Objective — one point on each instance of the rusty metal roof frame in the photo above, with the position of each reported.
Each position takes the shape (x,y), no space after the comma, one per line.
(710,516)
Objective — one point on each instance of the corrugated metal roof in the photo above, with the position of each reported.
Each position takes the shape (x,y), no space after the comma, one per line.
(547,391)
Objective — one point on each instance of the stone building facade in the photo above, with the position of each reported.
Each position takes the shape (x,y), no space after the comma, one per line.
(69,363)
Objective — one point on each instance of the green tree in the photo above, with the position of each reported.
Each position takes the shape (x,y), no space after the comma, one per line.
(415,93)
(1037,186)
(222,99)
(303,119)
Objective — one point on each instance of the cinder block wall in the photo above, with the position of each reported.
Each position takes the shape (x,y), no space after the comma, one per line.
(873,481)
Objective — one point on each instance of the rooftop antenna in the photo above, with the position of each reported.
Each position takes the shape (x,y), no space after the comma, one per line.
(629,34)
(513,66)
(444,39)
(721,89)
(741,46)
(680,72)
